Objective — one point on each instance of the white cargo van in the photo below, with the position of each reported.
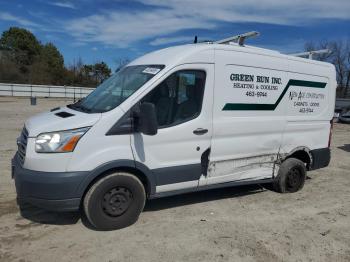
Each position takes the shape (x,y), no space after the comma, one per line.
(181,119)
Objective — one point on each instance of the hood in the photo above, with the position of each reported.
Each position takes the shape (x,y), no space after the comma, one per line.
(58,119)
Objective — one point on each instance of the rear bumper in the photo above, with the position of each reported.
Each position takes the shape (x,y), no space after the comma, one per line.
(56,191)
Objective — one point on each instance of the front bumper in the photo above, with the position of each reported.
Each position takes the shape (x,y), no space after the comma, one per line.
(55,191)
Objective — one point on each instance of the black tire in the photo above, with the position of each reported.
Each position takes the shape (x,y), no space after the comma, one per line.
(115,201)
(291,176)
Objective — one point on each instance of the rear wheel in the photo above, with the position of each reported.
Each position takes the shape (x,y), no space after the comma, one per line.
(115,201)
(291,176)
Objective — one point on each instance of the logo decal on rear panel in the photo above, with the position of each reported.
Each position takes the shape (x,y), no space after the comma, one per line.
(258,92)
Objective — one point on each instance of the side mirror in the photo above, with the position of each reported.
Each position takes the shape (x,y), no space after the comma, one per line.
(147,119)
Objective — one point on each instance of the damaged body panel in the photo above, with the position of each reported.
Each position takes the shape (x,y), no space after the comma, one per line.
(249,168)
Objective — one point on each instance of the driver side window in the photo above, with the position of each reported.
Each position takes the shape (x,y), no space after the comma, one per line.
(178,98)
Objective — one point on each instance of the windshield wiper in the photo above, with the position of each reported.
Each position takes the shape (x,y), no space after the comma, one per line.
(79,107)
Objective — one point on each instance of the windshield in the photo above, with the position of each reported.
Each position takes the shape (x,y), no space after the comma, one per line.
(116,89)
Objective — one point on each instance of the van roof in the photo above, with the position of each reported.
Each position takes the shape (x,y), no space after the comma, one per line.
(183,53)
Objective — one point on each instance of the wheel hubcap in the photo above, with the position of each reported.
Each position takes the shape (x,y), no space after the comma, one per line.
(116,201)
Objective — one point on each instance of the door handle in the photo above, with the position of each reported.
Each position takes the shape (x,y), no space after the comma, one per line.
(200,131)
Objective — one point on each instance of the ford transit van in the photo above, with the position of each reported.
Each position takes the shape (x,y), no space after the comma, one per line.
(177,120)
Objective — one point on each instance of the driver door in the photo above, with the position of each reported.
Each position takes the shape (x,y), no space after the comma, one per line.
(183,102)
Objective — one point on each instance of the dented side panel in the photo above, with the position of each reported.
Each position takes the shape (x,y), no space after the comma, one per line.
(249,168)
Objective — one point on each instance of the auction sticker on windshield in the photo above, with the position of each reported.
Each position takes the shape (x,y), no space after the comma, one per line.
(151,70)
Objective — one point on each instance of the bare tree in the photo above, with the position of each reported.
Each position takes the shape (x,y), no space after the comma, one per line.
(340,57)
(121,62)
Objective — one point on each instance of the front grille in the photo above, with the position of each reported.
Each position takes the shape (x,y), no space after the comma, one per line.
(22,145)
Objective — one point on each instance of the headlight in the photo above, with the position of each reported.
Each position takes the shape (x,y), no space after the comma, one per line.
(59,142)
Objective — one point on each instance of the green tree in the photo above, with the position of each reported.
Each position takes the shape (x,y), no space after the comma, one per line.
(87,71)
(101,72)
(54,63)
(22,44)
(23,59)
(9,70)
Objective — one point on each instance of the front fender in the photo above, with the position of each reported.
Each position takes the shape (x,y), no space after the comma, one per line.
(123,163)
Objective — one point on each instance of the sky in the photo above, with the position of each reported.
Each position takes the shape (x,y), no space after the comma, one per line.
(111,30)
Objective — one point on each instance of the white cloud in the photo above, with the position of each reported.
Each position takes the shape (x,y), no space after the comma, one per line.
(159,24)
(287,47)
(19,20)
(64,4)
(170,40)
(268,11)
(122,28)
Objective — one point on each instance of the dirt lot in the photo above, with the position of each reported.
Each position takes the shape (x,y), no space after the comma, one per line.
(234,224)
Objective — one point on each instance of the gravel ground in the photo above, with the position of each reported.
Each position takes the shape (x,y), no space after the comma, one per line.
(233,224)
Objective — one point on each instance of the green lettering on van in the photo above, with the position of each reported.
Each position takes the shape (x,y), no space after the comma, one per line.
(271,107)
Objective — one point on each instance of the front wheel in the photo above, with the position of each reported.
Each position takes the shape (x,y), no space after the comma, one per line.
(115,201)
(291,176)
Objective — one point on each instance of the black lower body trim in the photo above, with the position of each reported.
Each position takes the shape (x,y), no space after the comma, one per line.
(63,205)
(214,186)
(320,158)
(177,174)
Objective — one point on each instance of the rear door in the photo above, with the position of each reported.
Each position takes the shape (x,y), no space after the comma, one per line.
(183,100)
